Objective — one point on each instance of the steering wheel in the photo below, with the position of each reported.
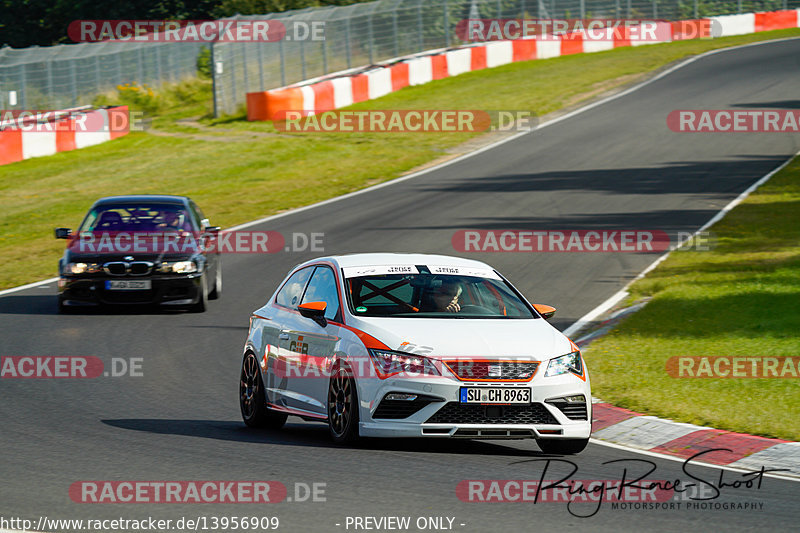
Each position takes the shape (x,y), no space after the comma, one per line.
(476,309)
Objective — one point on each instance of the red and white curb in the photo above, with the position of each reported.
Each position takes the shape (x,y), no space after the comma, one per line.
(657,435)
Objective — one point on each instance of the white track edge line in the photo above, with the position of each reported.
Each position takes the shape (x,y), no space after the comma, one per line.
(470,154)
(616,297)
(683,460)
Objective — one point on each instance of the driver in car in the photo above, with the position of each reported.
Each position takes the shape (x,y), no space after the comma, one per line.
(445,297)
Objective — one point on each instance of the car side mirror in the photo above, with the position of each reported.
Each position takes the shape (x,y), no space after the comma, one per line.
(546,311)
(63,233)
(313,310)
(213,229)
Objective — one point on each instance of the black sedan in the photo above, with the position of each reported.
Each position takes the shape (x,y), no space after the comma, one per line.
(142,249)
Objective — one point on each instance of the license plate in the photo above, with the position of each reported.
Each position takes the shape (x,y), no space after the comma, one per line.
(495,395)
(128,285)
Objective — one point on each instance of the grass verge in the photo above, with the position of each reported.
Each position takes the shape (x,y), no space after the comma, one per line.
(740,299)
(238,171)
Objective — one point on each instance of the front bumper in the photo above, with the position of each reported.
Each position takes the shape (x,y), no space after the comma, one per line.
(173,289)
(445,417)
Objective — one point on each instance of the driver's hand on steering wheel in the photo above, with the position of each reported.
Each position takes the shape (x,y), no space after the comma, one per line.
(453,306)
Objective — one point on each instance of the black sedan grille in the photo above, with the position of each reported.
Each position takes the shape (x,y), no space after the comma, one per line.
(459,413)
(121,268)
(469,370)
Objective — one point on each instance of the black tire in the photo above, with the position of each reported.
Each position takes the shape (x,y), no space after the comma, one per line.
(216,292)
(562,446)
(200,306)
(252,401)
(343,406)
(63,308)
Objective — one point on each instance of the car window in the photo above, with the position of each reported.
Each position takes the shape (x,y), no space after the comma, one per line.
(143,218)
(289,296)
(434,296)
(322,288)
(198,214)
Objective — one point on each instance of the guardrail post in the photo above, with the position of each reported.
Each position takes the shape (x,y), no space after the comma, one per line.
(261,64)
(655,9)
(738,6)
(97,73)
(348,50)
(23,93)
(303,57)
(158,63)
(629,10)
(244,64)
(214,84)
(394,29)
(325,55)
(140,56)
(695,9)
(50,83)
(74,80)
(283,62)
(369,26)
(446,26)
(419,26)
(583,9)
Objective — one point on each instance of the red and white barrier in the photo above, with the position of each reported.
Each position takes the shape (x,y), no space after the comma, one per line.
(26,138)
(337,91)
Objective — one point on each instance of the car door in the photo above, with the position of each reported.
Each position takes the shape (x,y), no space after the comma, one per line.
(314,343)
(281,362)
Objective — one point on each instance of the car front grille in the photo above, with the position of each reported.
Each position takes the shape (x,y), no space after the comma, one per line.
(468,370)
(572,410)
(140,268)
(121,268)
(459,413)
(399,409)
(116,268)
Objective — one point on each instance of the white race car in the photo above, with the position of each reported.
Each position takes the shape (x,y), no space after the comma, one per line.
(411,345)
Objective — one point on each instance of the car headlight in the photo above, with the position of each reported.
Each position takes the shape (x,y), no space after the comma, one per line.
(178,267)
(82,268)
(389,362)
(566,363)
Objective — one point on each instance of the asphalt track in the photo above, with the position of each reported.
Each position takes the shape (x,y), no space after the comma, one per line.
(613,166)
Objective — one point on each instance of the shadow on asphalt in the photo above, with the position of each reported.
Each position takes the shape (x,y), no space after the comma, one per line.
(47,304)
(312,435)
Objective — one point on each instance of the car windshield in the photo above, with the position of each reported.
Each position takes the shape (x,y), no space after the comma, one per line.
(428,295)
(137,218)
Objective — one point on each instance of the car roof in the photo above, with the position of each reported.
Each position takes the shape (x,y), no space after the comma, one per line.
(143,198)
(379,259)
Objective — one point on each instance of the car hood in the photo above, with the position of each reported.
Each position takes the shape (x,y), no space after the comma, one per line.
(74,257)
(441,338)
